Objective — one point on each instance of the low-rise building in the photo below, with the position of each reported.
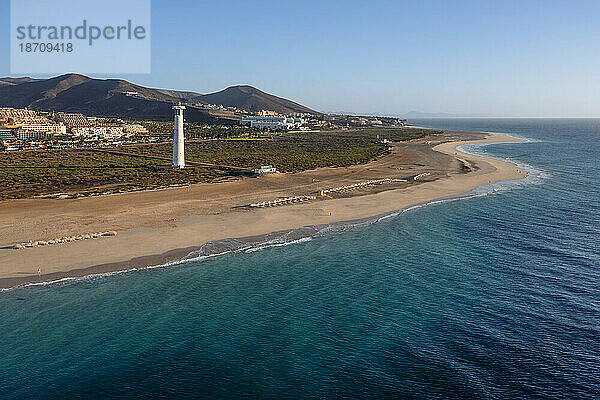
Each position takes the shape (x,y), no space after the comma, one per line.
(51,129)
(274,122)
(134,128)
(17,116)
(8,133)
(72,120)
(265,169)
(31,134)
(101,131)
(30,121)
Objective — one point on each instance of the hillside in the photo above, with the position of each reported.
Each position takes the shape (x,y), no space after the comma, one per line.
(119,98)
(16,81)
(107,97)
(182,94)
(251,99)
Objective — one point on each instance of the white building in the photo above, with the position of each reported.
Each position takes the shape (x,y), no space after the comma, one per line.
(28,135)
(106,132)
(134,128)
(265,169)
(44,128)
(7,134)
(274,122)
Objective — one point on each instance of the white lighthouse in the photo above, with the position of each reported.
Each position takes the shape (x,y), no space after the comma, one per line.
(178,140)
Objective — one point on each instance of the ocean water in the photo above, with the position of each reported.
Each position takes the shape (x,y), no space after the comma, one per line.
(494,296)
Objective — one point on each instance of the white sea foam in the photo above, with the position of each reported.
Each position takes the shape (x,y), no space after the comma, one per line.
(277,244)
(534,175)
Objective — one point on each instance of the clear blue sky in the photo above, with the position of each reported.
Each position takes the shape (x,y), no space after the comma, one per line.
(495,58)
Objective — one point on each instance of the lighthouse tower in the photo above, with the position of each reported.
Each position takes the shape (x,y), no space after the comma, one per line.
(178,144)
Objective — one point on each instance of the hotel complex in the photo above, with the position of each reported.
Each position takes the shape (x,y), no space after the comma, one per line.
(28,125)
(274,122)
(25,124)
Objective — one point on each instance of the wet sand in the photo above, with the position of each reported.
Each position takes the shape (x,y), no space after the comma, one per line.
(155,227)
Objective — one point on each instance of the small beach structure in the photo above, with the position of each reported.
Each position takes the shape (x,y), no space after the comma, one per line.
(30,244)
(282,201)
(265,169)
(360,185)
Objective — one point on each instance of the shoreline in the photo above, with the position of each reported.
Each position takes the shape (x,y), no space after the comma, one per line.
(185,255)
(158,247)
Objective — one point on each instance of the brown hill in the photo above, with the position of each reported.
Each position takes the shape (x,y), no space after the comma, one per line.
(251,99)
(105,97)
(119,98)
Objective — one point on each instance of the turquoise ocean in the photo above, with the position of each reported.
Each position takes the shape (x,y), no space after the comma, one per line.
(494,295)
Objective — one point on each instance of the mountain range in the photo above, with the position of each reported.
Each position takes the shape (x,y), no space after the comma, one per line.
(119,98)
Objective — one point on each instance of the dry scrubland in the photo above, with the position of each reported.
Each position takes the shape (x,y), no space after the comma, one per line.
(27,174)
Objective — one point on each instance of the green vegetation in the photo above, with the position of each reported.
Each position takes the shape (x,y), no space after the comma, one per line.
(26,174)
(290,152)
(200,131)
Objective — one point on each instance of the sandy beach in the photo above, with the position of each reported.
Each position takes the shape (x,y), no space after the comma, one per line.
(154,227)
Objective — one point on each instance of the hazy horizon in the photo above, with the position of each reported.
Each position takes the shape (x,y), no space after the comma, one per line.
(473,59)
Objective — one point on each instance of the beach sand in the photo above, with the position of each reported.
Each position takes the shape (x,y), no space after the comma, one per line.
(159,226)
